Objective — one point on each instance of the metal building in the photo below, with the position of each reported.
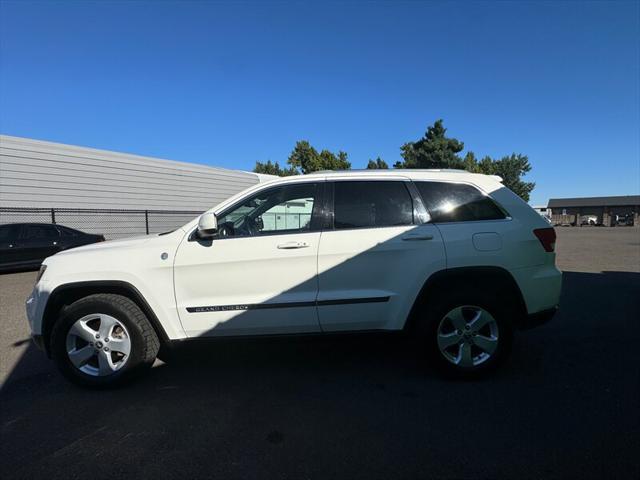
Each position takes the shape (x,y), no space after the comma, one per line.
(99,191)
(607,211)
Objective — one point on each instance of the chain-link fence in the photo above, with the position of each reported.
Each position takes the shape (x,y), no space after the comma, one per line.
(110,223)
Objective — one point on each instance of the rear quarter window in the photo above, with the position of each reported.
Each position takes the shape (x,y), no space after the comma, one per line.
(457,202)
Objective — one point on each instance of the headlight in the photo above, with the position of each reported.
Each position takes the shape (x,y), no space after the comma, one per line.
(40,273)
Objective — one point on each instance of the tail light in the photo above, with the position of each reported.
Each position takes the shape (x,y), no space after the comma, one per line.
(547,237)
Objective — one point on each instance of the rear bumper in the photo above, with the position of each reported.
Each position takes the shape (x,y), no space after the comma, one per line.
(540,286)
(536,319)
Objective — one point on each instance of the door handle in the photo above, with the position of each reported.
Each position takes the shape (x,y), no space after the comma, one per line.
(416,237)
(292,245)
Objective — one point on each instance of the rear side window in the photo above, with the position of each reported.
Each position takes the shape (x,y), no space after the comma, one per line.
(9,233)
(68,232)
(39,232)
(457,202)
(371,204)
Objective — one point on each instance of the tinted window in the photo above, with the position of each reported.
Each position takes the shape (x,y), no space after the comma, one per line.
(371,204)
(8,233)
(289,208)
(457,202)
(68,232)
(39,232)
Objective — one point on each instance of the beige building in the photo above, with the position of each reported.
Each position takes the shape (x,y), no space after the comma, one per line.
(607,211)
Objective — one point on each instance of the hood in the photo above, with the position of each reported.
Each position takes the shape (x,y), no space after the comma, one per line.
(109,245)
(123,260)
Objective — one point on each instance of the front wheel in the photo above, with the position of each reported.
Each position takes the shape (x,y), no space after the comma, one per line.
(103,339)
(467,335)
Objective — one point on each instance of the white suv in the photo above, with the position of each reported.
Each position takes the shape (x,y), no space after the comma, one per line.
(453,258)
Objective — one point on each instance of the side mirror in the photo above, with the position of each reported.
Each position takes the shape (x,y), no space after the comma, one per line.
(207,225)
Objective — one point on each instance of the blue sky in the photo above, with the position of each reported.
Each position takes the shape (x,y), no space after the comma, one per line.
(227,84)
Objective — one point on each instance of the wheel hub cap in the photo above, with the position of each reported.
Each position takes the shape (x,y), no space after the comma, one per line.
(86,340)
(468,336)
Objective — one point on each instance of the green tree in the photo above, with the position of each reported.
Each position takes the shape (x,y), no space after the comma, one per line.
(511,169)
(271,168)
(377,164)
(434,150)
(470,163)
(331,161)
(485,165)
(306,159)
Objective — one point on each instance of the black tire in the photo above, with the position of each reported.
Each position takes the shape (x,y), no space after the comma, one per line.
(431,313)
(144,340)
(168,354)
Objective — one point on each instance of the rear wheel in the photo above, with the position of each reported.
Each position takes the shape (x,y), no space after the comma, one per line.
(101,340)
(467,334)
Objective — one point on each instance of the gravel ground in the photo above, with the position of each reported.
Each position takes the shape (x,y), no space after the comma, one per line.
(567,404)
(597,249)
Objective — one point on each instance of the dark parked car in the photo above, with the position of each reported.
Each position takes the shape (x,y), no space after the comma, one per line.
(26,245)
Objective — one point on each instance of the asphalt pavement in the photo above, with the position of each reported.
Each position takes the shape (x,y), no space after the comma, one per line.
(566,405)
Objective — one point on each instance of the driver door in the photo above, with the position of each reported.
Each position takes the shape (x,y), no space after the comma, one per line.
(259,275)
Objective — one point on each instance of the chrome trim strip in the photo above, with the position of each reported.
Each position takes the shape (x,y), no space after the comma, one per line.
(263,306)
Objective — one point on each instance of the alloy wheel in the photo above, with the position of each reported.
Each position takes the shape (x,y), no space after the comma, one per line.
(98,345)
(468,336)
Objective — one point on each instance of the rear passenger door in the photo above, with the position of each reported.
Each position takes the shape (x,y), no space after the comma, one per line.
(375,254)
(476,230)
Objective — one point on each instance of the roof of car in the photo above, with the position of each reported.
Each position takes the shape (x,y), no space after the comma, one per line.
(487,182)
(386,170)
(410,173)
(29,223)
(39,224)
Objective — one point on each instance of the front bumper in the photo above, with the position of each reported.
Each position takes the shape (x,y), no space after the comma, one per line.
(38,340)
(35,306)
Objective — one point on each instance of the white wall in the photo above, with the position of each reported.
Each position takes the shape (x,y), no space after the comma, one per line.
(41,174)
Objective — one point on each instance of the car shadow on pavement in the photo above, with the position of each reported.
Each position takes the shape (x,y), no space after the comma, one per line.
(566,404)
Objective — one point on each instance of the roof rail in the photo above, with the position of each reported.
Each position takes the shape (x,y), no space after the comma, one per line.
(448,170)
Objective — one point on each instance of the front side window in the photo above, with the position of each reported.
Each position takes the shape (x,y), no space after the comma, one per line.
(285,209)
(457,202)
(361,204)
